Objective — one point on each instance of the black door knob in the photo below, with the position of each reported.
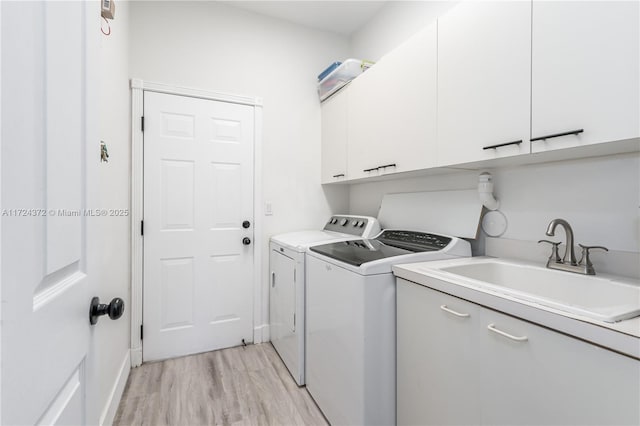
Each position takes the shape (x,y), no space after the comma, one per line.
(246,241)
(115,309)
(246,224)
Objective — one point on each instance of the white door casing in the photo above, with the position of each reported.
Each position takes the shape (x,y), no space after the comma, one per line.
(198,191)
(49,154)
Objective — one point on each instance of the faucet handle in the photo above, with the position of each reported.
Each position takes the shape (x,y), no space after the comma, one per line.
(554,250)
(585,253)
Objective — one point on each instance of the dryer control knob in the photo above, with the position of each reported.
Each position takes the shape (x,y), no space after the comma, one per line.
(343,222)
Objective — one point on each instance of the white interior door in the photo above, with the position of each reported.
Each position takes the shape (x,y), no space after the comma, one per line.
(198,191)
(48,137)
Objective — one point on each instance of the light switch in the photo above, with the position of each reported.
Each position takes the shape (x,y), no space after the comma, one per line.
(268,211)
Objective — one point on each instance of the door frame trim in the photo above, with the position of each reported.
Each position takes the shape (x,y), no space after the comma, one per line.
(138,87)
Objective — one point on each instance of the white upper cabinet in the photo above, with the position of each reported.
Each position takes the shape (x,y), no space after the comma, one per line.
(392,111)
(334,137)
(491,79)
(586,72)
(484,80)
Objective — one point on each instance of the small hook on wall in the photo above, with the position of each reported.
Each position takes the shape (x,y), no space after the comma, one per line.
(104,153)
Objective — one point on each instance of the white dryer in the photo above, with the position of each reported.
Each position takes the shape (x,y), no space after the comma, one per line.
(287,283)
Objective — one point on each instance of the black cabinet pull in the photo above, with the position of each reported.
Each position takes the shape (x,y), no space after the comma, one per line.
(338,175)
(380,167)
(557,135)
(502,144)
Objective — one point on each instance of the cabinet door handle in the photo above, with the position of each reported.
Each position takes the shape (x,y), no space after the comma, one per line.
(370,170)
(338,175)
(502,144)
(458,314)
(387,165)
(273,279)
(557,135)
(492,327)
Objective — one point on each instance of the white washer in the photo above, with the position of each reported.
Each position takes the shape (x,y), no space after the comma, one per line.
(287,286)
(351,321)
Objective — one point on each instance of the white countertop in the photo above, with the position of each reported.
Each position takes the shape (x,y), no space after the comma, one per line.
(622,336)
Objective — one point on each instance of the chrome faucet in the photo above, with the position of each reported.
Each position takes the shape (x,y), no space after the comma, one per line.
(551,229)
(584,266)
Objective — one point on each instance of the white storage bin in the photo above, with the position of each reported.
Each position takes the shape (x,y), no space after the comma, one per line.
(350,69)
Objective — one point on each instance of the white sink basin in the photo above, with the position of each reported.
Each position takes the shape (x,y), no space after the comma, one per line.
(598,298)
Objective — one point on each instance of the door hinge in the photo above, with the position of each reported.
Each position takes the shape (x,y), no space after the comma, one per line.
(142,123)
(141,332)
(142,227)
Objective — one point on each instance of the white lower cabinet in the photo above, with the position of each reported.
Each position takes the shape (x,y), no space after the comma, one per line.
(461,363)
(435,338)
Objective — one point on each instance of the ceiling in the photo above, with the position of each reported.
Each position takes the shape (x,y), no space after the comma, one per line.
(341,17)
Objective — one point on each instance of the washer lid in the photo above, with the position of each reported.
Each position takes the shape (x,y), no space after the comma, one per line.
(299,241)
(444,212)
(391,243)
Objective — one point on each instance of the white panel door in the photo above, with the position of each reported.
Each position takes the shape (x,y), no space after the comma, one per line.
(484,81)
(198,191)
(586,72)
(49,154)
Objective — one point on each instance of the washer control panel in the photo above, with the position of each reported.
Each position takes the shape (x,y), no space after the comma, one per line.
(361,226)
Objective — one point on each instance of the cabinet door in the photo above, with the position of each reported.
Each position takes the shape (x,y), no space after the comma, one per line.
(586,72)
(334,137)
(551,378)
(437,367)
(392,110)
(484,81)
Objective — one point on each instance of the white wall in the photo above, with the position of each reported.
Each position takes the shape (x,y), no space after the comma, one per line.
(110,255)
(598,196)
(213,46)
(395,22)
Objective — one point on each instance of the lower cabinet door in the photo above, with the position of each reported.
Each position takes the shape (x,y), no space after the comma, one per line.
(534,375)
(437,367)
(461,363)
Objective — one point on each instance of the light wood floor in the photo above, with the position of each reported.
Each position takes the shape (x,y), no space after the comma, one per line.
(237,386)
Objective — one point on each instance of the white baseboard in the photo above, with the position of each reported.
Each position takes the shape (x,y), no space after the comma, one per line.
(261,333)
(136,357)
(109,411)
